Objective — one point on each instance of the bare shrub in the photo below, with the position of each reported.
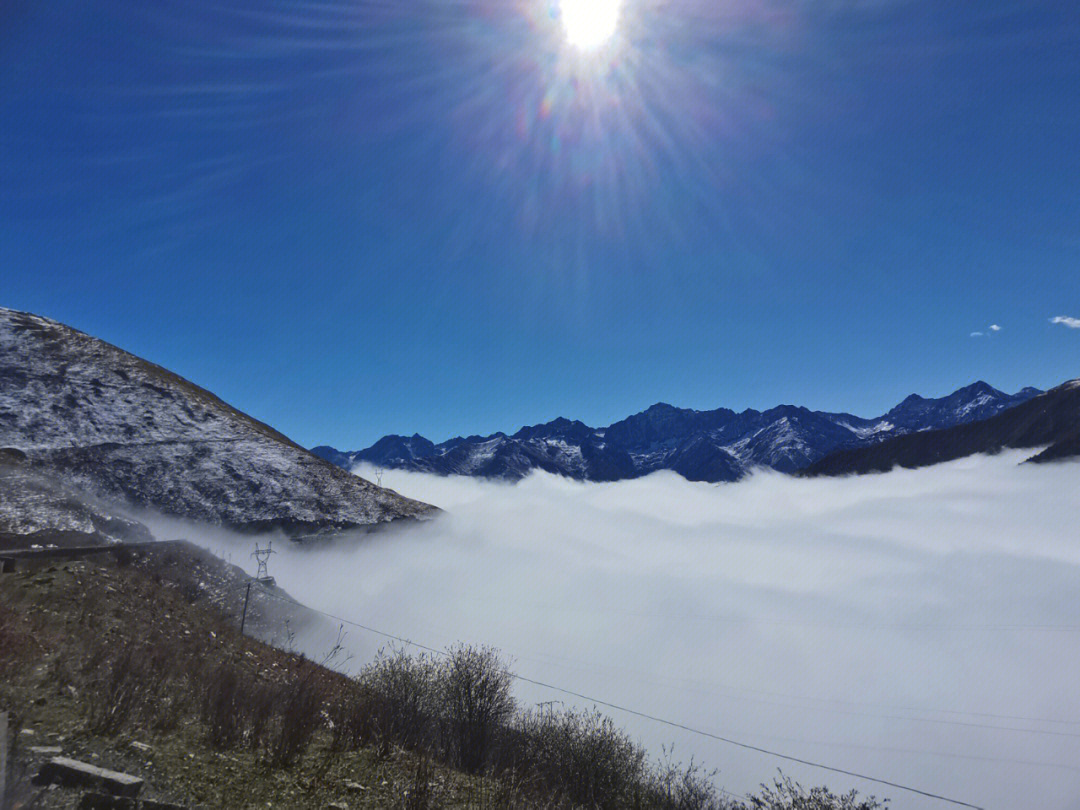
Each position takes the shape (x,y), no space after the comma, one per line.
(90,606)
(402,691)
(236,707)
(223,706)
(190,591)
(422,793)
(678,787)
(787,794)
(299,704)
(15,640)
(350,713)
(118,691)
(509,790)
(167,696)
(473,686)
(584,758)
(260,712)
(137,685)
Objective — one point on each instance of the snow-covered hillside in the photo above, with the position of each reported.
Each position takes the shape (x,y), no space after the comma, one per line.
(37,510)
(114,425)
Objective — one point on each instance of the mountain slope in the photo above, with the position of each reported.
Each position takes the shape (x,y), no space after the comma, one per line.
(718,445)
(1051,420)
(970,404)
(121,428)
(36,510)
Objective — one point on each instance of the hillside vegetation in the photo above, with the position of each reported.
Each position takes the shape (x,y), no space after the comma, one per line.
(133,667)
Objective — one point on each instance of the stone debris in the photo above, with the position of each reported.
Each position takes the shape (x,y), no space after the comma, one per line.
(45,750)
(72,773)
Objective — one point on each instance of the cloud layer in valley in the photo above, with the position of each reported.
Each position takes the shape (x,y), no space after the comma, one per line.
(921,626)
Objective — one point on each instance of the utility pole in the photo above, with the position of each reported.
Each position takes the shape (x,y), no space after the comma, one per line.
(243,617)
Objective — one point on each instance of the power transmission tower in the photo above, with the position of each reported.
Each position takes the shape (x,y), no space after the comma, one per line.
(262,555)
(549,705)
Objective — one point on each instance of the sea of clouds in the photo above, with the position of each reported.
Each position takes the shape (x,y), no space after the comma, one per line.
(919,626)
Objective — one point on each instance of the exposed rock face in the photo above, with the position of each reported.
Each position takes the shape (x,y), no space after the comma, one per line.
(719,445)
(120,428)
(1051,420)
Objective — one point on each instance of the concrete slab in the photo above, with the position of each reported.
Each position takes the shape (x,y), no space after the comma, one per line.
(45,750)
(72,773)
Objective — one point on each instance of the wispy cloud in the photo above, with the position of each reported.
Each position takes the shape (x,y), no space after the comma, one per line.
(991,329)
(1064,320)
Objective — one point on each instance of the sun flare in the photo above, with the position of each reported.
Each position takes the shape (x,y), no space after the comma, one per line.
(589,23)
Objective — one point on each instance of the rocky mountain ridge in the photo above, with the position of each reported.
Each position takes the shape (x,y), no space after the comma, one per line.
(1050,421)
(714,446)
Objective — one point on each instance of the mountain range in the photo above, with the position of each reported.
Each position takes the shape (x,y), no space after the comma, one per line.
(93,438)
(84,421)
(714,446)
(1050,421)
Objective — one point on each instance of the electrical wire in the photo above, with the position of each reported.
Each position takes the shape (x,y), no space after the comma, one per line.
(645,715)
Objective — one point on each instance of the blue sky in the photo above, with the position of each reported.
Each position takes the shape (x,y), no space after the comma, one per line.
(351,219)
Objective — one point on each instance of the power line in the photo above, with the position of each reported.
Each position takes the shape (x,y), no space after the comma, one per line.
(713,688)
(917,709)
(731,795)
(748,746)
(719,689)
(863,747)
(838,625)
(646,716)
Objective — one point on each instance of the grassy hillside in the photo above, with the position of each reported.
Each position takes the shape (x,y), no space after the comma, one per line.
(137,667)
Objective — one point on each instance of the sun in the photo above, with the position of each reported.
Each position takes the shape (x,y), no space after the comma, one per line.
(589,23)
